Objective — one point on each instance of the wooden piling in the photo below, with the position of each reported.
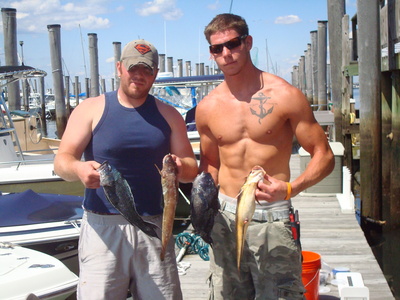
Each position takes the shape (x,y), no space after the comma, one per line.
(117,57)
(336,11)
(94,65)
(308,72)
(67,95)
(345,103)
(180,67)
(314,59)
(161,63)
(170,65)
(369,53)
(394,137)
(322,56)
(10,53)
(76,91)
(58,83)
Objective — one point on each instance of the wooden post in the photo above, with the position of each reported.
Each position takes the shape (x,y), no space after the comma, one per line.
(76,90)
(369,53)
(180,67)
(170,65)
(336,11)
(188,68)
(117,57)
(386,96)
(346,139)
(103,85)
(94,65)
(302,75)
(395,149)
(10,53)
(322,53)
(314,58)
(308,71)
(58,83)
(161,62)
(295,76)
(201,68)
(42,105)
(67,97)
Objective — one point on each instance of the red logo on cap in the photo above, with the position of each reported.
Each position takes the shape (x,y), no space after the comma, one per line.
(143,49)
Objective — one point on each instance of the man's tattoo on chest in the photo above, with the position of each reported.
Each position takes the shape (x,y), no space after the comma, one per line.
(261,107)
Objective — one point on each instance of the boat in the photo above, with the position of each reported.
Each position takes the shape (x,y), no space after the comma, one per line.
(49,223)
(26,157)
(25,272)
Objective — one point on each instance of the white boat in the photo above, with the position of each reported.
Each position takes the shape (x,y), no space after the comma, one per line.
(49,223)
(24,272)
(26,158)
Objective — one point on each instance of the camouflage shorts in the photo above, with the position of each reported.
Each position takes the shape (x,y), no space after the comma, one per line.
(270,266)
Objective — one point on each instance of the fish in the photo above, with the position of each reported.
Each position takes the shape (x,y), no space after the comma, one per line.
(119,194)
(246,205)
(169,182)
(204,205)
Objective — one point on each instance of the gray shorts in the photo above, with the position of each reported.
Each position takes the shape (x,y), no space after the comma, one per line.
(115,256)
(270,266)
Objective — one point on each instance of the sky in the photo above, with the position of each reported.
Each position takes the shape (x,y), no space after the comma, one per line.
(280,30)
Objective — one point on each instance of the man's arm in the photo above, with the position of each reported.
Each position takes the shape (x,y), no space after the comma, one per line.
(313,139)
(67,163)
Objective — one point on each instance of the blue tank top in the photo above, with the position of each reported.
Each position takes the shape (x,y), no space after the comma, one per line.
(133,140)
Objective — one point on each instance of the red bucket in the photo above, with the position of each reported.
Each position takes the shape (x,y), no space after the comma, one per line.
(310,274)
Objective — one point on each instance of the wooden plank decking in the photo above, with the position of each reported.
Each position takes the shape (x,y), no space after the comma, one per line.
(337,237)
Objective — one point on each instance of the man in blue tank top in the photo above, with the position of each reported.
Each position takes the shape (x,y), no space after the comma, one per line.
(133,131)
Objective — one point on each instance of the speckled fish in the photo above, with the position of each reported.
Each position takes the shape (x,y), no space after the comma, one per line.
(169,182)
(119,194)
(245,208)
(204,205)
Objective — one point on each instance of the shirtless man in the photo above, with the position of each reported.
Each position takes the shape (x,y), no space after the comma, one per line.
(133,131)
(250,119)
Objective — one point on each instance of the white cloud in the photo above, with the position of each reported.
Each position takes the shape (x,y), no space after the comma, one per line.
(214,6)
(290,19)
(167,8)
(35,15)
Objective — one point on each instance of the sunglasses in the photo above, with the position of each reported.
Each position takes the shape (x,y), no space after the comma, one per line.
(231,44)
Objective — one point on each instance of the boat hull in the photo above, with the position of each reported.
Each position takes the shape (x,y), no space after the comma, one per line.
(25,271)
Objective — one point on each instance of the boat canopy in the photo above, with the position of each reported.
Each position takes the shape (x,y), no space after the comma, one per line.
(13,73)
(29,207)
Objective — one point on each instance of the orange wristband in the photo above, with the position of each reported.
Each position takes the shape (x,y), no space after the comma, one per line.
(289,191)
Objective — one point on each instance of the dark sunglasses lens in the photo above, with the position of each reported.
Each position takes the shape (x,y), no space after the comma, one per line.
(233,43)
(216,48)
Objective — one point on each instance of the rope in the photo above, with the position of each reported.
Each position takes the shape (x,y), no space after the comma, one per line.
(193,243)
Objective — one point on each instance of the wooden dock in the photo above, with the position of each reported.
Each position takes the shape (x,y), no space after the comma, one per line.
(336,236)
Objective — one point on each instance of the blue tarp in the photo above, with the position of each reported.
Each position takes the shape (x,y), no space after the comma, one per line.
(31,208)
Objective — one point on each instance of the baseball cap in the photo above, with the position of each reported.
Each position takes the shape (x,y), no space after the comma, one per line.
(140,52)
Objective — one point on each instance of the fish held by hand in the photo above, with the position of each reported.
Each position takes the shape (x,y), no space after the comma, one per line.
(204,205)
(246,205)
(169,182)
(119,194)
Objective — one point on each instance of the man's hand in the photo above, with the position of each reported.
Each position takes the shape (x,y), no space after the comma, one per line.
(271,189)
